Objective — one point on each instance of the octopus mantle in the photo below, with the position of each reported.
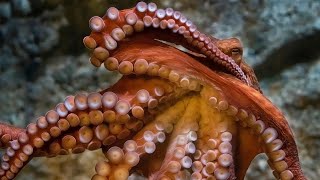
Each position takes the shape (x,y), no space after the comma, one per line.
(187,107)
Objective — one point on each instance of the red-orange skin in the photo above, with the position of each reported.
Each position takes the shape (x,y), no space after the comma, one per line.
(8,133)
(236,92)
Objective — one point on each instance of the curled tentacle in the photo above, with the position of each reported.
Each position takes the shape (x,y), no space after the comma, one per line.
(183,32)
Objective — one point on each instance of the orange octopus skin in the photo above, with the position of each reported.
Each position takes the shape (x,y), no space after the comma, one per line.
(196,113)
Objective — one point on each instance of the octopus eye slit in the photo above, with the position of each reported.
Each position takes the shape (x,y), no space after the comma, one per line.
(235,51)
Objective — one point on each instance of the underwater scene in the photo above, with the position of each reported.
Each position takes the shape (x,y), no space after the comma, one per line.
(159,90)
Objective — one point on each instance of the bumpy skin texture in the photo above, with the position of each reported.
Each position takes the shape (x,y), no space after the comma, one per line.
(233,48)
(195,113)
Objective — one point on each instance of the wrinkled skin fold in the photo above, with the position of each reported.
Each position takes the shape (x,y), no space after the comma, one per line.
(196,113)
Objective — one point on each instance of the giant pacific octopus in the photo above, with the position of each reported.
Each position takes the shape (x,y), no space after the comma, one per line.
(186,107)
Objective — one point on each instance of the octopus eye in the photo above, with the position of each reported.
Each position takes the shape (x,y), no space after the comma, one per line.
(236,51)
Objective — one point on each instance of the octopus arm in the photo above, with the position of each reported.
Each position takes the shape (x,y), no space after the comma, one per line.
(250,99)
(9,133)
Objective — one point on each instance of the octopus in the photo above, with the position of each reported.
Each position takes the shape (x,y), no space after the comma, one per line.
(186,107)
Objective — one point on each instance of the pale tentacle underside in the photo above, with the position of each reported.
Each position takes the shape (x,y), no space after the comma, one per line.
(175,114)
